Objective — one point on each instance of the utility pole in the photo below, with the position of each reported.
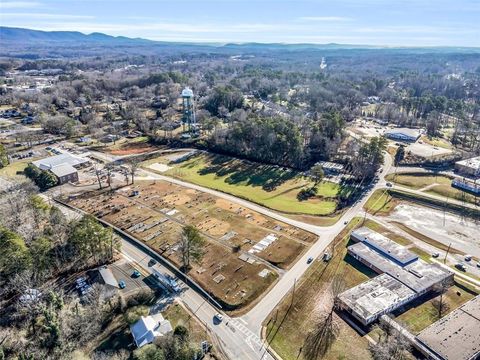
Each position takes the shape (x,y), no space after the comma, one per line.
(446,254)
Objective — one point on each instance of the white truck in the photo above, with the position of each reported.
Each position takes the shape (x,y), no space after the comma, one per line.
(166,280)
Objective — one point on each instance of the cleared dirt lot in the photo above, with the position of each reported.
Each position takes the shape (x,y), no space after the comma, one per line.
(462,233)
(235,254)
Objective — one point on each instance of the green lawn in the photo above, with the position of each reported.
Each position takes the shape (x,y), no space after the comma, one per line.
(12,169)
(447,190)
(421,314)
(380,203)
(274,187)
(177,315)
(438,142)
(418,180)
(441,185)
(290,322)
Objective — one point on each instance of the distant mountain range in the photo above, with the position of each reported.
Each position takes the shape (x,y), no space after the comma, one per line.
(15,38)
(10,34)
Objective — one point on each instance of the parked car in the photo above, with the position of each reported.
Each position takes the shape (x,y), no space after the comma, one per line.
(461,266)
(218,317)
(121,284)
(468,257)
(136,274)
(435,255)
(389,184)
(326,257)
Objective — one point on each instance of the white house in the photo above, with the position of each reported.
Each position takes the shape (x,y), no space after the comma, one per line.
(145,330)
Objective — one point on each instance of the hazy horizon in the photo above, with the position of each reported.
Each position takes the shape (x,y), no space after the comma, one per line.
(406,23)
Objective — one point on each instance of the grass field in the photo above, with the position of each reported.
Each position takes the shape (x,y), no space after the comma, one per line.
(421,314)
(17,166)
(291,322)
(178,315)
(274,187)
(386,232)
(380,203)
(440,185)
(438,142)
(418,180)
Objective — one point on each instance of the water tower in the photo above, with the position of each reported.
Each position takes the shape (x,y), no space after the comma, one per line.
(189,110)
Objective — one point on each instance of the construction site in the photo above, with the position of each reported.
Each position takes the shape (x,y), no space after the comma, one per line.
(244,253)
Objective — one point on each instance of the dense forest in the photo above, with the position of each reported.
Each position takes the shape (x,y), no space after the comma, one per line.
(268,103)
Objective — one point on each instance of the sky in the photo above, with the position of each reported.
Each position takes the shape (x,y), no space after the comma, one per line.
(361,22)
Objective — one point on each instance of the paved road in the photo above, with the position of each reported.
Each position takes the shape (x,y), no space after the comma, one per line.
(236,340)
(241,337)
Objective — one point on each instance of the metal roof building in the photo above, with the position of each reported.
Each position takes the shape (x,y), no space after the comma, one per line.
(373,298)
(457,335)
(404,134)
(403,277)
(52,161)
(384,245)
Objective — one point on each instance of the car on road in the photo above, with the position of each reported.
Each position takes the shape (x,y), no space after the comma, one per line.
(218,317)
(435,255)
(345,222)
(389,184)
(136,274)
(468,257)
(461,266)
(121,284)
(152,262)
(478,264)
(309,260)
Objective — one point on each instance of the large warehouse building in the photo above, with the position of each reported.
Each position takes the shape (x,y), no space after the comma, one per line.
(457,335)
(404,277)
(403,134)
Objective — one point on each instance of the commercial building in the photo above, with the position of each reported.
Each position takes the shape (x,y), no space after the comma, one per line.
(63,166)
(469,167)
(457,335)
(373,298)
(403,134)
(404,277)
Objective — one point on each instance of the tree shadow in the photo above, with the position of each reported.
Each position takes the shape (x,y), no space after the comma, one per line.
(321,338)
(236,171)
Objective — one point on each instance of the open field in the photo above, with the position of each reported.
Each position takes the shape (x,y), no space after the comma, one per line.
(236,267)
(290,323)
(381,203)
(124,146)
(437,142)
(437,228)
(418,180)
(421,313)
(433,184)
(386,232)
(271,186)
(16,166)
